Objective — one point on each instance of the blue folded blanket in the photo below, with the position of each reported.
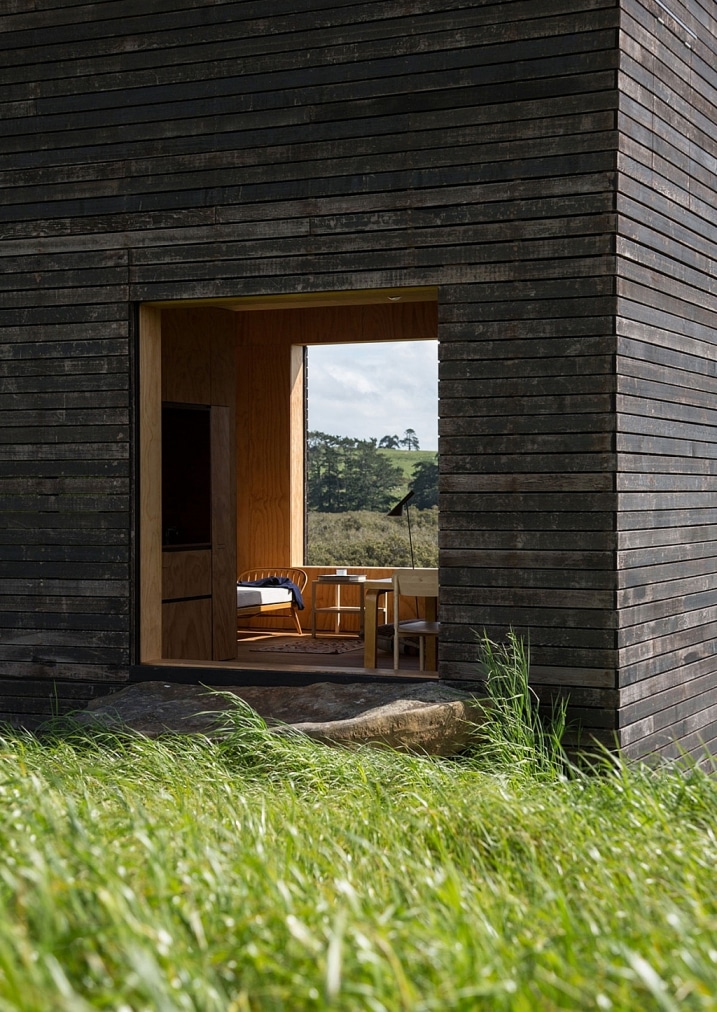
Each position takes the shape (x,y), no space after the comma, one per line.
(276,581)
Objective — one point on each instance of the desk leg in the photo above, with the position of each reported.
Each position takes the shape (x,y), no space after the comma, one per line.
(370,626)
(362,606)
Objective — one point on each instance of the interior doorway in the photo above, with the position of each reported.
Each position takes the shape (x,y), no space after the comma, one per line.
(236,368)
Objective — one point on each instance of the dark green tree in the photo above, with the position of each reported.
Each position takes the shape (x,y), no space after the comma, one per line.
(323,479)
(410,440)
(424,482)
(348,474)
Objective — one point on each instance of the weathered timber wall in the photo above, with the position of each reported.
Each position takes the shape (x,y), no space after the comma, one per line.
(527,385)
(210,149)
(667,376)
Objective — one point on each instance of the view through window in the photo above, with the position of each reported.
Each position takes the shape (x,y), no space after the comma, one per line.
(372,437)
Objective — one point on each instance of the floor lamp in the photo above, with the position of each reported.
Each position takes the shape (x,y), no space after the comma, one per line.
(397,511)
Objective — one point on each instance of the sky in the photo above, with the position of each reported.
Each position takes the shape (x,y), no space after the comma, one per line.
(375,389)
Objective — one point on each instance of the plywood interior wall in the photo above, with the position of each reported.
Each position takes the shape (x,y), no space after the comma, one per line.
(270,412)
(199,367)
(263,441)
(150,489)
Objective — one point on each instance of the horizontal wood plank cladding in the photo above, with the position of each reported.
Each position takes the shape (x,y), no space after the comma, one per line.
(510,481)
(657,656)
(506,528)
(527,451)
(666,377)
(649,363)
(459,672)
(487,613)
(512,539)
(673,168)
(680,716)
(271,181)
(65,467)
(687,286)
(459,244)
(326,74)
(522,578)
(374,96)
(543,656)
(439,112)
(223,31)
(32,704)
(429,207)
(221,149)
(376,88)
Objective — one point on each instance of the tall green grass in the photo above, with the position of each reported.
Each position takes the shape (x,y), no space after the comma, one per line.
(266,871)
(515,738)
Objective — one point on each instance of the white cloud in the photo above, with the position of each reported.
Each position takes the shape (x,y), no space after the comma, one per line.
(350,379)
(374,389)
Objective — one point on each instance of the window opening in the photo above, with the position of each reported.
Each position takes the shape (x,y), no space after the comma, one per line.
(372,437)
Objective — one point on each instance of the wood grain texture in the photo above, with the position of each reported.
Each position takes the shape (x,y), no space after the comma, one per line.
(666,385)
(263,442)
(186,574)
(199,355)
(150,466)
(187,629)
(223,554)
(186,359)
(567,230)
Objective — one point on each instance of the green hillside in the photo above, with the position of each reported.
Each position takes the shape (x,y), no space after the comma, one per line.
(407,459)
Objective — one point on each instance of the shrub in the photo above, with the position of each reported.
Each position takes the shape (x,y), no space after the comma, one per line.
(371,539)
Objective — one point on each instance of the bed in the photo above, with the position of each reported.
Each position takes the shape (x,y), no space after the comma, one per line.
(252,601)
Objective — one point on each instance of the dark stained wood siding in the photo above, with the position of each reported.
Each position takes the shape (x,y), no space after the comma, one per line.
(213,149)
(42,703)
(527,398)
(206,149)
(667,376)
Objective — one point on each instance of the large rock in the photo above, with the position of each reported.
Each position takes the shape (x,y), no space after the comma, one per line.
(427,717)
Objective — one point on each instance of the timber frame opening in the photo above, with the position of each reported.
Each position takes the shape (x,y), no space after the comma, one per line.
(242,360)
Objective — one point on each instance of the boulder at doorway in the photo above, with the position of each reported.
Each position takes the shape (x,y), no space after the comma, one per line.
(426,718)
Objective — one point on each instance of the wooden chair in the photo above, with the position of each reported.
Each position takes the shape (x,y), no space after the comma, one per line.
(418,583)
(297,576)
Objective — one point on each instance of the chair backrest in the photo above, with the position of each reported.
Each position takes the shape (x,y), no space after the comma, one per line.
(415,582)
(297,576)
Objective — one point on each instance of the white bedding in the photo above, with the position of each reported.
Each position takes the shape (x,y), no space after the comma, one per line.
(252,597)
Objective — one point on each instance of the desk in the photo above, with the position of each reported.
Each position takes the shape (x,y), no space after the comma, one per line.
(372,590)
(337,609)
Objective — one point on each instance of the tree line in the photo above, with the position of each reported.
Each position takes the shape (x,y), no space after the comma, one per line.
(346,474)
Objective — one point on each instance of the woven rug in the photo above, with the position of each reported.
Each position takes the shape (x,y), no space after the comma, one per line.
(311,646)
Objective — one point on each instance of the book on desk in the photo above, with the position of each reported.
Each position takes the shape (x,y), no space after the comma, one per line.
(342,578)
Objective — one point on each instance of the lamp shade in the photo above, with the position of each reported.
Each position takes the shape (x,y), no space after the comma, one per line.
(397,510)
